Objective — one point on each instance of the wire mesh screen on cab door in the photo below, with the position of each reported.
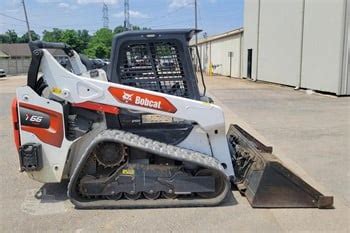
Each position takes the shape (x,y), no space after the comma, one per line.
(154,66)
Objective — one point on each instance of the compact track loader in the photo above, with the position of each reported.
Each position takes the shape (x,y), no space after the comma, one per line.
(143,135)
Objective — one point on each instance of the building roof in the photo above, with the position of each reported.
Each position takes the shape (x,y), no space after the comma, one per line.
(219,36)
(16,50)
(2,54)
(22,50)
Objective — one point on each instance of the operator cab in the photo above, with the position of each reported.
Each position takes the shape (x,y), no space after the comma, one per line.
(156,60)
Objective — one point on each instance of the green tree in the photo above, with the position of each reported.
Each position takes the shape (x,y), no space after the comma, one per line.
(25,38)
(118,29)
(101,51)
(4,38)
(135,28)
(71,38)
(52,36)
(100,44)
(78,40)
(12,35)
(84,39)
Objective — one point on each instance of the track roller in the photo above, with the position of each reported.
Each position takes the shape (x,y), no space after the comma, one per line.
(169,195)
(134,196)
(151,196)
(115,196)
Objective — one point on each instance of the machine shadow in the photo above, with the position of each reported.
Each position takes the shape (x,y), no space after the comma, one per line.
(229,200)
(52,192)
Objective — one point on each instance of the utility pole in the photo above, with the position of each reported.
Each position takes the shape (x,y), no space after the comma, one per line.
(105,15)
(195,20)
(195,27)
(127,26)
(205,36)
(25,14)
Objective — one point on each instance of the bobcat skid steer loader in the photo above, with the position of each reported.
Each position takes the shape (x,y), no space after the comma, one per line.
(142,136)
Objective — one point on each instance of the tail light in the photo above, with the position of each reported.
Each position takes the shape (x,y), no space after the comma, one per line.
(15,123)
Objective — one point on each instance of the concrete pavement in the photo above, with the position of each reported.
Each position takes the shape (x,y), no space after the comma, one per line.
(310,133)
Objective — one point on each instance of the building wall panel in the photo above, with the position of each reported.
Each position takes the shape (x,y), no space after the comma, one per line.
(250,40)
(220,50)
(323,45)
(14,66)
(280,41)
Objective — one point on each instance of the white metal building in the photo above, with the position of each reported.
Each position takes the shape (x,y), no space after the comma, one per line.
(223,52)
(301,43)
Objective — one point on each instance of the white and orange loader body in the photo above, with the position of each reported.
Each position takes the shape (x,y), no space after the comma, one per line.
(98,94)
(115,167)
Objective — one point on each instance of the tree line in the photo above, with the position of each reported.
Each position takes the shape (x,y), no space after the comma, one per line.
(97,45)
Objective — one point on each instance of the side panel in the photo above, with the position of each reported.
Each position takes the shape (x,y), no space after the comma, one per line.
(50,135)
(45,124)
(197,140)
(77,89)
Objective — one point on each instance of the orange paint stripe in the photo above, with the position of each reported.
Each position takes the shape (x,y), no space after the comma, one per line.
(15,123)
(97,106)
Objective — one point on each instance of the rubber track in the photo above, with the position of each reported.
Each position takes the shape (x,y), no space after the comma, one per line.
(154,147)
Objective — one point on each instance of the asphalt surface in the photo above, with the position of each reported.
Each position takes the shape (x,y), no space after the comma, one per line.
(310,133)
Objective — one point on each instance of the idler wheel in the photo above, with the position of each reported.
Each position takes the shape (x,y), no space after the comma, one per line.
(219,183)
(110,154)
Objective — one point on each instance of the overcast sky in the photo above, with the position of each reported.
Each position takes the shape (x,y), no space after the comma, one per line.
(214,16)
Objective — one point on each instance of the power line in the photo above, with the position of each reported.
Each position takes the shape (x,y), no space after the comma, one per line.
(14,25)
(12,17)
(36,25)
(166,15)
(44,26)
(173,23)
(145,22)
(21,20)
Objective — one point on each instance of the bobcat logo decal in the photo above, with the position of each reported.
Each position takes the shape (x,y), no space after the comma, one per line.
(127,97)
(142,99)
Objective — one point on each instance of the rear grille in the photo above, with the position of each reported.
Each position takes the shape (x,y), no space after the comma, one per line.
(154,66)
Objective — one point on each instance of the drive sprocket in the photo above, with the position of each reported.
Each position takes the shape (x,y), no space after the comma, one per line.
(110,154)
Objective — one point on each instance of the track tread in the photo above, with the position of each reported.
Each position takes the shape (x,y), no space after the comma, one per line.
(155,147)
